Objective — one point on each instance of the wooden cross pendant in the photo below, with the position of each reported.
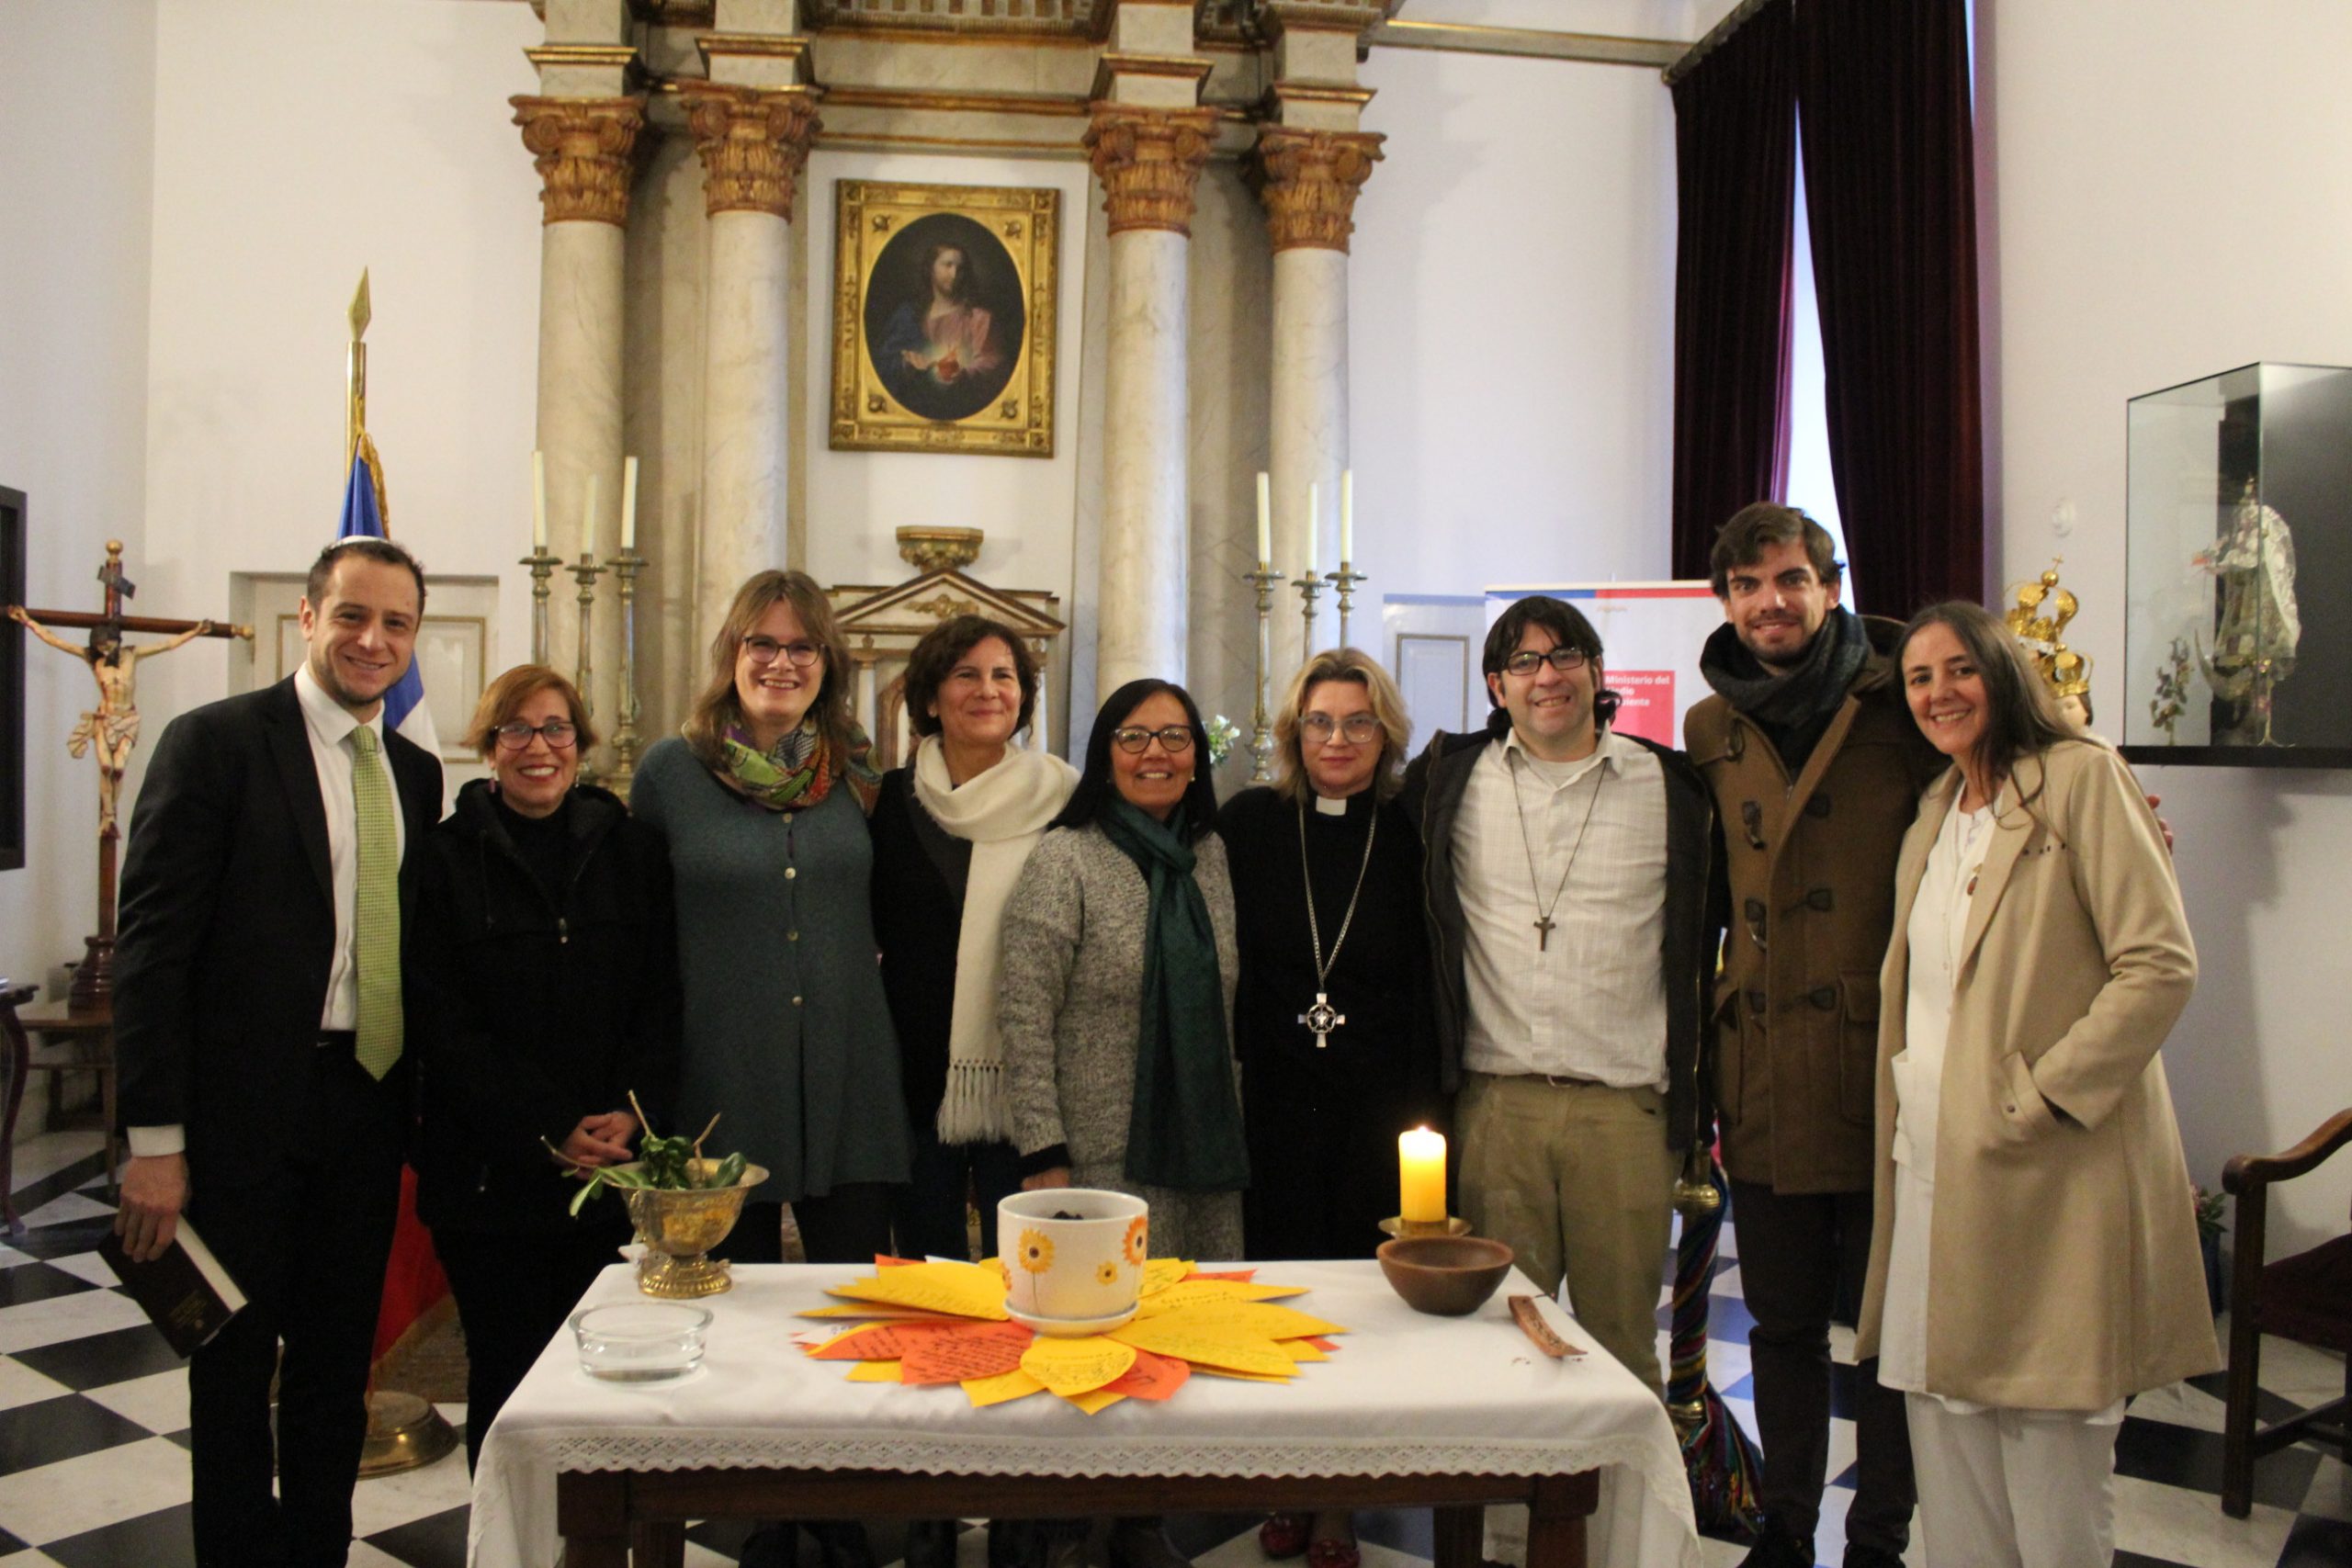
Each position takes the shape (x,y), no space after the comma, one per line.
(1543,932)
(1321,1018)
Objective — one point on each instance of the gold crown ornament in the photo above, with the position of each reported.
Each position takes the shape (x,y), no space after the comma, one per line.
(2039,621)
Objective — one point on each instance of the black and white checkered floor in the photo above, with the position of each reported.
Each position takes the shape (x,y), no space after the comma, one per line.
(93,1414)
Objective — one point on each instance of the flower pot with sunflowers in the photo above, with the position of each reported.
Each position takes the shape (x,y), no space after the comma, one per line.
(1073,1257)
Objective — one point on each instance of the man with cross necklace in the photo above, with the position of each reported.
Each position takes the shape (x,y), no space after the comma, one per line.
(1564,870)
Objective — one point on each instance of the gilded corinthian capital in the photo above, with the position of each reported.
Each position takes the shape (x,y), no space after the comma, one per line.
(753,142)
(1149,161)
(1308,180)
(581,149)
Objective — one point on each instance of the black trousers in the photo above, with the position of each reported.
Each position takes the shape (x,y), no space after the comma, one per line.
(1797,1255)
(928,1213)
(849,1224)
(514,1292)
(306,1240)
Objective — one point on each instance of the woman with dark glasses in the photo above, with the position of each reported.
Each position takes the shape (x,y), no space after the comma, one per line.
(543,987)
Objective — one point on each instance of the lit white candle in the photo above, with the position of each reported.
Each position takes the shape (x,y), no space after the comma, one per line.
(588,519)
(1420,1157)
(1265,521)
(1314,524)
(1347,518)
(538,502)
(629,504)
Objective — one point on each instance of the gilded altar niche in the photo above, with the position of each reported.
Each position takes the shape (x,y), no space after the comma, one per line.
(883,625)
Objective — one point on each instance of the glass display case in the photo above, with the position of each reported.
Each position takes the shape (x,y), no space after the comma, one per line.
(2236,645)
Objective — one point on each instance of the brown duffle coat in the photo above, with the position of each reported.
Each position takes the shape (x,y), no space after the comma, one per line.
(1810,863)
(2061,1256)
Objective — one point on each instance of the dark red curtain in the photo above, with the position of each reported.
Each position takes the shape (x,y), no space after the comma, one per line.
(1883,97)
(1735,144)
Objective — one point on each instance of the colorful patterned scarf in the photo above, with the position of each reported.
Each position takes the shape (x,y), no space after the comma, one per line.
(799,770)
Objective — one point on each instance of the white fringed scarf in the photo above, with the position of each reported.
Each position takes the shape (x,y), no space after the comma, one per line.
(1001,813)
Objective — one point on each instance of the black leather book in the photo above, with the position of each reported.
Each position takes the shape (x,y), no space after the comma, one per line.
(186,1291)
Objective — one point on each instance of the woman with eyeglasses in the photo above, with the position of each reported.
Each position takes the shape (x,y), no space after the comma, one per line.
(543,988)
(1119,964)
(1330,1015)
(763,798)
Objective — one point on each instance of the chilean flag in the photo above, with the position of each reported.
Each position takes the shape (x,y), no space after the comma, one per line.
(404,708)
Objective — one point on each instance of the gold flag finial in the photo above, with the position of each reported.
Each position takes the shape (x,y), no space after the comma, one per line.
(360,315)
(355,425)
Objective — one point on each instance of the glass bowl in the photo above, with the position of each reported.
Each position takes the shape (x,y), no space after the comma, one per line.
(641,1341)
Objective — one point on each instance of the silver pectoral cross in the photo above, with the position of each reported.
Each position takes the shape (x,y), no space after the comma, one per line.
(1321,1018)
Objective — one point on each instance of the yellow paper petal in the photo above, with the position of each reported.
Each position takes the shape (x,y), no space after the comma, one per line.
(1070,1367)
(1301,1350)
(1244,1377)
(876,1312)
(1162,1272)
(962,1290)
(1015,1385)
(1206,1346)
(1094,1400)
(1260,1320)
(830,1340)
(874,1371)
(1204,1293)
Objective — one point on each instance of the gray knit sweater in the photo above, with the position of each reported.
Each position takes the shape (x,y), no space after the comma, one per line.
(1069,1009)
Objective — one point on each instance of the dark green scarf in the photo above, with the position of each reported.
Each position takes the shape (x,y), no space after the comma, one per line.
(1185,1130)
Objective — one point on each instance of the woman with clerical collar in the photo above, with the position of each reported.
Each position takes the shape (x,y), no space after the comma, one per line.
(1331,1018)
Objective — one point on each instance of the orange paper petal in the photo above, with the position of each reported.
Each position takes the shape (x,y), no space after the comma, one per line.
(974,1350)
(1152,1377)
(883,1342)
(1245,1275)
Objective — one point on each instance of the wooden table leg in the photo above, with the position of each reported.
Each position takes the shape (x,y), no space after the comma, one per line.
(658,1544)
(591,1514)
(1556,1517)
(1460,1532)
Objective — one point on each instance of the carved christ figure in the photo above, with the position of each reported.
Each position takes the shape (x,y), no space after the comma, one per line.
(112,728)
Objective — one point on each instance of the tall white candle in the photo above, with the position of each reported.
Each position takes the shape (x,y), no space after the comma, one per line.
(1265,521)
(1347,518)
(629,504)
(1314,524)
(588,519)
(538,502)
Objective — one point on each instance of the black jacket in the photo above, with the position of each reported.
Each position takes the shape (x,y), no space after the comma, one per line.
(1434,788)
(533,1006)
(228,929)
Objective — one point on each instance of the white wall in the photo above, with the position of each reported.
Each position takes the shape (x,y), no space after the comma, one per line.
(296,143)
(2173,197)
(77,137)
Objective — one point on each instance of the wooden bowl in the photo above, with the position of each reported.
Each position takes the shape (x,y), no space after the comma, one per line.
(1447,1276)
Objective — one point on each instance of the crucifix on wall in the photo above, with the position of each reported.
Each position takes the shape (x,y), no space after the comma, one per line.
(110,729)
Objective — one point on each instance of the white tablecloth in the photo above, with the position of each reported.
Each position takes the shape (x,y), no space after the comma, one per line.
(1406,1395)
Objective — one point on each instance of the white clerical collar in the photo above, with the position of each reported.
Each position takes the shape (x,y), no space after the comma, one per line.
(328,719)
(1327,807)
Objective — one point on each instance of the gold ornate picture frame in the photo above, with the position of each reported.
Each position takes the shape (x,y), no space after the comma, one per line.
(943,318)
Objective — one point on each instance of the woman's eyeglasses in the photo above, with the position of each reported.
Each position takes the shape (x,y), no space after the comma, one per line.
(763,651)
(1361,728)
(1175,737)
(514,735)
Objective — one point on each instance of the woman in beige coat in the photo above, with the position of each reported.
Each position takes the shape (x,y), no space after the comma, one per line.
(2034,1257)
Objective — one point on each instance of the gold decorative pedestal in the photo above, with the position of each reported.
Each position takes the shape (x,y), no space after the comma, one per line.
(1398,1225)
(404,1433)
(679,1226)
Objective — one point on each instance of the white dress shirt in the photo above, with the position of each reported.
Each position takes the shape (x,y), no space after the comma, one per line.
(330,726)
(1589,1000)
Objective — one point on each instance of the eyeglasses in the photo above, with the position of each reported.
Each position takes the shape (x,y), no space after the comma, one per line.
(1563,659)
(514,735)
(763,650)
(1175,737)
(1359,727)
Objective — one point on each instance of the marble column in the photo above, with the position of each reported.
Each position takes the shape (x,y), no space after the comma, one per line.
(753,142)
(1308,184)
(583,149)
(1149,161)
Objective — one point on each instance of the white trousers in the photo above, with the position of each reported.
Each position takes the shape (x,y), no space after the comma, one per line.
(2013,1488)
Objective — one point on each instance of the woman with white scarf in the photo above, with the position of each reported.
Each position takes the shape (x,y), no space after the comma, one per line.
(951,831)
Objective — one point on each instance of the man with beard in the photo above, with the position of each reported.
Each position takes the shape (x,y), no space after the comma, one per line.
(1816,769)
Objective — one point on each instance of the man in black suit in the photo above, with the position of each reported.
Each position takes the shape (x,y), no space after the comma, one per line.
(257,1026)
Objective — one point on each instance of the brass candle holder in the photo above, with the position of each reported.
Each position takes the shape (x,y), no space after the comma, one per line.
(625,568)
(1262,736)
(1344,581)
(542,562)
(586,571)
(1452,1224)
(1310,586)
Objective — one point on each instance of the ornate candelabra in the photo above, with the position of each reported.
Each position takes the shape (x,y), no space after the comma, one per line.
(625,568)
(542,562)
(1344,579)
(1308,586)
(1261,737)
(586,571)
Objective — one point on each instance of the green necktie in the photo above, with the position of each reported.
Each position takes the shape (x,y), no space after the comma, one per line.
(375,915)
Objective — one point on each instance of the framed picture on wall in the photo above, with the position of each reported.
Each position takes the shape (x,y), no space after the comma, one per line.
(12,682)
(944,327)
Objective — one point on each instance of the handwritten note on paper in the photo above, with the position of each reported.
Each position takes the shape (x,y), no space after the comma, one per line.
(975,1350)
(1206,1346)
(1095,1400)
(1152,1377)
(1159,1273)
(1077,1366)
(876,1312)
(883,1341)
(965,1289)
(1197,1291)
(1206,1370)
(1015,1385)
(1260,1320)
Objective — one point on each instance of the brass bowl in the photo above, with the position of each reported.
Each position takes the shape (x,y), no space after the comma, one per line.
(1446,1275)
(679,1226)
